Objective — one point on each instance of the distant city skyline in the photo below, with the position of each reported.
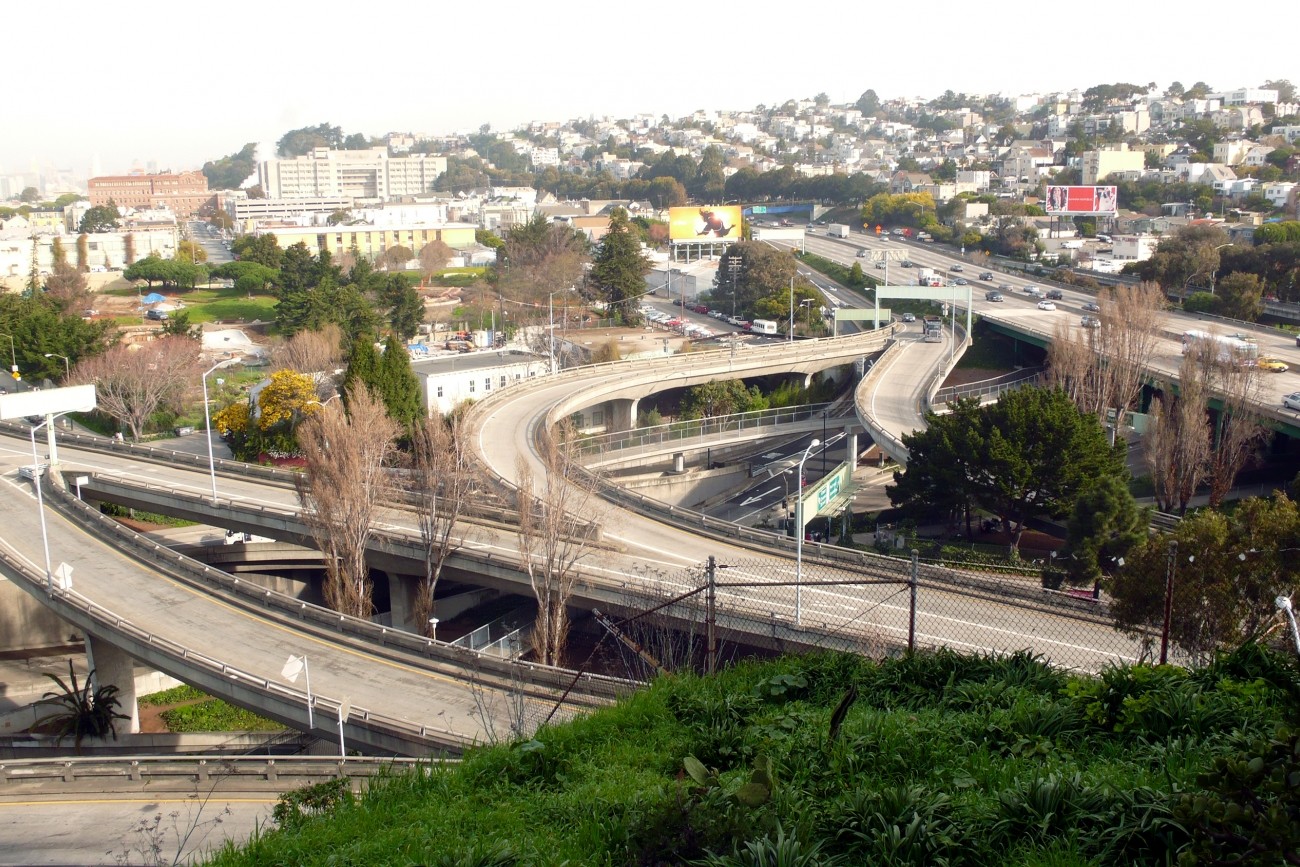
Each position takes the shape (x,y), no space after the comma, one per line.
(137,84)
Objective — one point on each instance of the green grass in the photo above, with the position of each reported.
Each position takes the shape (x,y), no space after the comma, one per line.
(839,273)
(216,716)
(184,692)
(829,759)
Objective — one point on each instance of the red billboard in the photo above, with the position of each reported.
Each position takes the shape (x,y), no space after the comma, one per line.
(1081,201)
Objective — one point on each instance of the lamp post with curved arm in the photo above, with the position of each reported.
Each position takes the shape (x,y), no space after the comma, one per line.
(798,520)
(207,423)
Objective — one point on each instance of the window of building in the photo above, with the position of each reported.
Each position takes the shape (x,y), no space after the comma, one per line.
(440,391)
(487,383)
(597,418)
(471,386)
(503,380)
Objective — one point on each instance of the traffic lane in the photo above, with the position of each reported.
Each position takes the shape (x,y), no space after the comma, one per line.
(96,829)
(774,481)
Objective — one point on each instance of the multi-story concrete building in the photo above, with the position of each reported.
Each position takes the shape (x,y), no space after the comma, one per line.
(182,193)
(1097,165)
(372,241)
(104,250)
(247,212)
(360,174)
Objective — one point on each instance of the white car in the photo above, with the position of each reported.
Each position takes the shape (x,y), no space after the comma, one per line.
(1292,401)
(1046,305)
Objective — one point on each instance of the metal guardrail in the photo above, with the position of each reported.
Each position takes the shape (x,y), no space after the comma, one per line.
(199,769)
(670,432)
(985,387)
(889,444)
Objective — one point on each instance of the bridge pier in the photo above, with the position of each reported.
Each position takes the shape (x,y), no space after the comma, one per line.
(622,413)
(403,591)
(113,666)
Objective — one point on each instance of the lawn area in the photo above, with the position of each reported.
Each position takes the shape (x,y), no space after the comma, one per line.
(206,304)
(831,759)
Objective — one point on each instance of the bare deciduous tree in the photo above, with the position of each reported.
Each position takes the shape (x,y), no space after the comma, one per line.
(1178,440)
(557,521)
(67,287)
(441,480)
(1105,368)
(132,383)
(344,487)
(1237,431)
(317,353)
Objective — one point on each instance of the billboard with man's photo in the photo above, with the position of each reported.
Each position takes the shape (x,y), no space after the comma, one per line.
(706,223)
(1081,201)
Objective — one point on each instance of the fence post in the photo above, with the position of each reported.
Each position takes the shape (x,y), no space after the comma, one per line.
(1169,601)
(710,617)
(911,613)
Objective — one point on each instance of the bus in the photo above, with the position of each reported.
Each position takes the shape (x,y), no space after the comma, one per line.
(1227,348)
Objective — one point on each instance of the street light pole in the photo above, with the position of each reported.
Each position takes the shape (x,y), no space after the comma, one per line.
(790,336)
(37,473)
(798,520)
(1215,273)
(67,365)
(207,423)
(550,334)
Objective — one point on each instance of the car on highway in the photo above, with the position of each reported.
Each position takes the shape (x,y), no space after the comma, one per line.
(909,317)
(880,265)
(1292,401)
(957,268)
(1055,294)
(862,254)
(1046,305)
(987,275)
(993,296)
(907,263)
(1034,291)
(961,281)
(1092,307)
(1271,364)
(1087,321)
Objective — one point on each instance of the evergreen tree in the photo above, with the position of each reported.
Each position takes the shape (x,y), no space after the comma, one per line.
(363,365)
(405,309)
(619,268)
(398,385)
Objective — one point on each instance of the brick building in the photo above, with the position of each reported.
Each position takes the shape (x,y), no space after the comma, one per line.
(183,193)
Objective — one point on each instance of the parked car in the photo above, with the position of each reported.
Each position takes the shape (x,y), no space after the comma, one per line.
(1087,321)
(1292,401)
(156,315)
(993,296)
(987,275)
(1272,365)
(1092,307)
(1046,305)
(1055,294)
(909,317)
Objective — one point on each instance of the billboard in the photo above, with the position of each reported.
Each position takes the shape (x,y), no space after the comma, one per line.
(1081,201)
(704,224)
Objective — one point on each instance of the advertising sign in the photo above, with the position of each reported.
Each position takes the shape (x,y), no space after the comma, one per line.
(1081,201)
(707,223)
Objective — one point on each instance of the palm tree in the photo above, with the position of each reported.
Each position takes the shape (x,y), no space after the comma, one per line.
(82,712)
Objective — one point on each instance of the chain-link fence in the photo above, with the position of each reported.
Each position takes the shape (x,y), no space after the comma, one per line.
(706,616)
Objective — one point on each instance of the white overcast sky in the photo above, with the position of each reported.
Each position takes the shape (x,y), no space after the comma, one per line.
(180,83)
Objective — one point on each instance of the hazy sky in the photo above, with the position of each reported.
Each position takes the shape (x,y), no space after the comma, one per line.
(180,83)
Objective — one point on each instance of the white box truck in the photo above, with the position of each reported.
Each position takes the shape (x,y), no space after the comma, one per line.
(837,230)
(762,326)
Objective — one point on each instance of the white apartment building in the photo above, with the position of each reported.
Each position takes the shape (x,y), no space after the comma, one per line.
(361,174)
(449,380)
(1136,248)
(1097,165)
(1248,96)
(249,212)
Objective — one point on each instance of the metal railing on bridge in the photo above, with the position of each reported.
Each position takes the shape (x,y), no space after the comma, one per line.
(988,387)
(716,426)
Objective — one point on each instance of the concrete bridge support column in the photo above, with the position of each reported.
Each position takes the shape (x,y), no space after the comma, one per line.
(622,414)
(403,590)
(114,667)
(852,451)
